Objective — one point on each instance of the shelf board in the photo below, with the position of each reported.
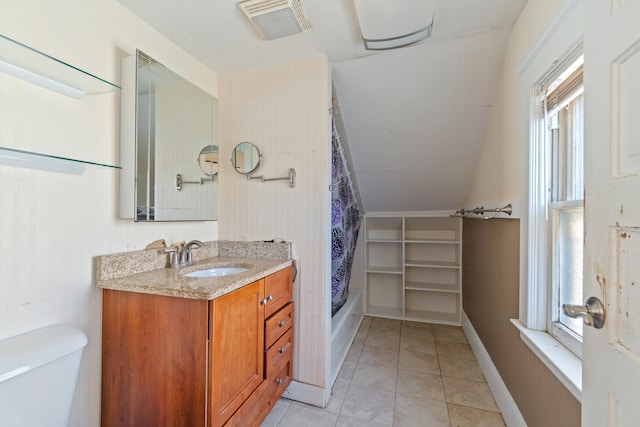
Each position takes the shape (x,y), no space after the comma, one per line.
(434,242)
(433,316)
(29,64)
(384,241)
(33,160)
(432,264)
(377,310)
(384,270)
(431,287)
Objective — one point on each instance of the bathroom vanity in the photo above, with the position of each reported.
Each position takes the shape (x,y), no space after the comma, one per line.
(196,351)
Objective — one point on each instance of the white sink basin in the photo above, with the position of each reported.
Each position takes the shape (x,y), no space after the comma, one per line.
(217,272)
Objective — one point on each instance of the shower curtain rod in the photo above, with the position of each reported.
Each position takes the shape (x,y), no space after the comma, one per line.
(480,210)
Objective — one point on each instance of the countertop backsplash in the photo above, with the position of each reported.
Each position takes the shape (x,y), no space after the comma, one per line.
(114,266)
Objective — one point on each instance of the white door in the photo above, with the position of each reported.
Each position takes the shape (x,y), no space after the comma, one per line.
(611,355)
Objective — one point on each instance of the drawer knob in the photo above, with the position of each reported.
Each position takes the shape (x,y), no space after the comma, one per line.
(281,323)
(279,381)
(264,301)
(281,350)
(270,297)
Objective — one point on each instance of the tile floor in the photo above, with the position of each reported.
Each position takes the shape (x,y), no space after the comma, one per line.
(401,374)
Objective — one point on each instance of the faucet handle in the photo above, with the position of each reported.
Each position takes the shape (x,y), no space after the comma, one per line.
(173,256)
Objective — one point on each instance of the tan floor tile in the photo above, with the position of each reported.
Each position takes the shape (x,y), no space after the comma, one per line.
(413,412)
(419,344)
(449,333)
(416,361)
(338,393)
(347,370)
(417,331)
(421,325)
(344,421)
(379,356)
(375,376)
(385,339)
(369,404)
(454,349)
(276,414)
(307,416)
(354,352)
(463,416)
(461,368)
(469,393)
(420,384)
(365,324)
(387,325)
(360,338)
(401,374)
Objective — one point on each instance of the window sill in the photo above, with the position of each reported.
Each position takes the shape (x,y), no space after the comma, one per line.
(566,366)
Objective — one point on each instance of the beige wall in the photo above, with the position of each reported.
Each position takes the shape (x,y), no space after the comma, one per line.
(498,175)
(51,224)
(490,299)
(284,110)
(495,252)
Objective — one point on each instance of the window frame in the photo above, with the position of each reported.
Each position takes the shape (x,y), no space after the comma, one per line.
(562,35)
(562,333)
(534,309)
(567,337)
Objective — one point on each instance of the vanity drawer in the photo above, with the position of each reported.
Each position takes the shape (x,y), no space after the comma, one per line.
(277,324)
(279,353)
(277,290)
(261,402)
(280,382)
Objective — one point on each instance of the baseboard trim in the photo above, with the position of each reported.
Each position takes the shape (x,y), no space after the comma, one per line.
(504,400)
(306,393)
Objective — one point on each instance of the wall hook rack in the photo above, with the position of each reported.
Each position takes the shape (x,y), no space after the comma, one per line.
(291,178)
(480,210)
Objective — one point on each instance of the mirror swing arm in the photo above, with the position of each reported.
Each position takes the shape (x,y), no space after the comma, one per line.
(180,181)
(245,159)
(291,177)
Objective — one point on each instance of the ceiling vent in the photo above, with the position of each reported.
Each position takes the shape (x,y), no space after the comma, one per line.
(274,19)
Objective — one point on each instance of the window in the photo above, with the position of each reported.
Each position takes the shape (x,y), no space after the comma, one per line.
(561,106)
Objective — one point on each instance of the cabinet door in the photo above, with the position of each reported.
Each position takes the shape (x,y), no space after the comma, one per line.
(237,349)
(153,360)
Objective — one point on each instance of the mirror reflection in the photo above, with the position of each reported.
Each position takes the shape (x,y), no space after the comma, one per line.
(174,120)
(208,160)
(245,158)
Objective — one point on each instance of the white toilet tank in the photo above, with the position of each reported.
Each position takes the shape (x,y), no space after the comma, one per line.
(38,373)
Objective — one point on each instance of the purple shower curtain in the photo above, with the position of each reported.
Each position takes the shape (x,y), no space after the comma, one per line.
(345,224)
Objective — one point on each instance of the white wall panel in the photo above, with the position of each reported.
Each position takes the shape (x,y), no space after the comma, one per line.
(51,225)
(284,111)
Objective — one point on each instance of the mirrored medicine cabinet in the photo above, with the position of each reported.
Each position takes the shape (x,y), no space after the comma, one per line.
(170,143)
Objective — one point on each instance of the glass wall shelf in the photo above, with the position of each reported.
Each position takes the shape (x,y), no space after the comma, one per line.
(31,160)
(29,64)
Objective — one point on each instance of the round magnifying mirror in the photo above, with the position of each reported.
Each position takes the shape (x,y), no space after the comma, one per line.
(208,160)
(245,158)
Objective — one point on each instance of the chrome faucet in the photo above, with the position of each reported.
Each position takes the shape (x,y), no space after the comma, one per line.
(184,256)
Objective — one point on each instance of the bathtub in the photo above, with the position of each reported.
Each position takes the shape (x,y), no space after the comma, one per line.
(344,327)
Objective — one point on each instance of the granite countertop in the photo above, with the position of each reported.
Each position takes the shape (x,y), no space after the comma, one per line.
(172,282)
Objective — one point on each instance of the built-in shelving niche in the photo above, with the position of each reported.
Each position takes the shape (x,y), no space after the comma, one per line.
(413,268)
(23,62)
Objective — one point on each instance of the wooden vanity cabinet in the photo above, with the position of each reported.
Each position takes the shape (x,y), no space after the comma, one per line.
(237,347)
(278,352)
(172,362)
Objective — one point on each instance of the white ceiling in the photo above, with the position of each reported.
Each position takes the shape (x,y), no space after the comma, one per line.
(415,118)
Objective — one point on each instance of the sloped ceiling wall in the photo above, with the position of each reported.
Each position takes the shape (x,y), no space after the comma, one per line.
(415,117)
